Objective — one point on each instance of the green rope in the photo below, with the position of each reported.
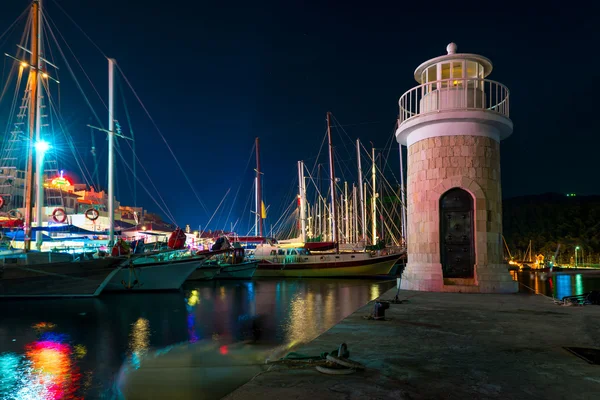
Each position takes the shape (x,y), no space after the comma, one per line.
(322,356)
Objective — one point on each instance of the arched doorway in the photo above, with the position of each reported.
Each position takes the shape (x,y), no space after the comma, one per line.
(456,234)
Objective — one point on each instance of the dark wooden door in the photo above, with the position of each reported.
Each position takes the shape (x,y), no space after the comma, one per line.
(456,234)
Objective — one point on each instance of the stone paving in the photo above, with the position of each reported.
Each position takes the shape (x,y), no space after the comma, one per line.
(450,346)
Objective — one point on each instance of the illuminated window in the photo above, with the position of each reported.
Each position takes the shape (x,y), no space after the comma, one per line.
(457,73)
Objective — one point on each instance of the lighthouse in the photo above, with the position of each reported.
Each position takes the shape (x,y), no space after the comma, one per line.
(452,124)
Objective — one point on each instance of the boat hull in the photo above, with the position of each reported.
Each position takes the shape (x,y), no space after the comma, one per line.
(204,273)
(57,279)
(238,271)
(168,275)
(368,267)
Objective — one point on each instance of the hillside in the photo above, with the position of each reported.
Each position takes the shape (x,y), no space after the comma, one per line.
(550,219)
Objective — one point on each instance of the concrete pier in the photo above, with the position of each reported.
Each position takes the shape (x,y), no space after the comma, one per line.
(450,346)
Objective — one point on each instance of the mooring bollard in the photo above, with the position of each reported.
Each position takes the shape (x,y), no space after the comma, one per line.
(380,307)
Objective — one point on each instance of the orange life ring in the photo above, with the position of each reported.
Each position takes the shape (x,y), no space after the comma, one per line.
(1,201)
(92,214)
(59,215)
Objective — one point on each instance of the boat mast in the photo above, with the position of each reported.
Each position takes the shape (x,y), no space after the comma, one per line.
(402,203)
(302,193)
(318,219)
(259,220)
(374,201)
(361,194)
(334,236)
(39,159)
(346,219)
(111,152)
(33,100)
(354,214)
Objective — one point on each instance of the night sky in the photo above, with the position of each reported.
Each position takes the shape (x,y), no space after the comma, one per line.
(214,75)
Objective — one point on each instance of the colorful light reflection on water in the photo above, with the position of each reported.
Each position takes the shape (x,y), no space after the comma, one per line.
(47,370)
(77,348)
(557,285)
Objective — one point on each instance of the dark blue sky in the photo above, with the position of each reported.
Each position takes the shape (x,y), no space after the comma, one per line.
(214,75)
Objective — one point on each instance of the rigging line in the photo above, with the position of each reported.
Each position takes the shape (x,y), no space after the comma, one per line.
(16,21)
(247,205)
(74,57)
(291,192)
(319,154)
(118,194)
(73,76)
(392,141)
(166,212)
(338,125)
(132,140)
(93,151)
(163,138)
(148,175)
(13,106)
(24,39)
(376,166)
(284,213)
(240,185)
(69,140)
(319,194)
(213,215)
(7,81)
(80,29)
(362,123)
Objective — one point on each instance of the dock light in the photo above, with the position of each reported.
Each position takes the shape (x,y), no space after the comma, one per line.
(24,65)
(42,146)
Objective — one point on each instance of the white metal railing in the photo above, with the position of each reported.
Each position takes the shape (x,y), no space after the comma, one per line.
(454,94)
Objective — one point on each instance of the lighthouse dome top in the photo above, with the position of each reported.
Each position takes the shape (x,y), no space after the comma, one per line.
(453,64)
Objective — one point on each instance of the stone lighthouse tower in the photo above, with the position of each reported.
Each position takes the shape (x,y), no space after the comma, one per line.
(452,124)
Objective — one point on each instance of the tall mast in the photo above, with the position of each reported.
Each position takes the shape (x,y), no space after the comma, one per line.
(302,193)
(346,219)
(334,236)
(355,213)
(33,100)
(39,159)
(361,194)
(374,201)
(111,151)
(259,216)
(402,201)
(318,219)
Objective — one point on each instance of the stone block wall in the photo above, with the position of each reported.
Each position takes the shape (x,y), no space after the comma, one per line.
(435,165)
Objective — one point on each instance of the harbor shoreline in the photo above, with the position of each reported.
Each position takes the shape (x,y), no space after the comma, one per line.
(449,345)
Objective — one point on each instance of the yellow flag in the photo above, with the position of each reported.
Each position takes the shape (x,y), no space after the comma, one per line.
(263,211)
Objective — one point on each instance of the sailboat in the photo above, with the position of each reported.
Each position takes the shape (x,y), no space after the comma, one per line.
(30,273)
(297,261)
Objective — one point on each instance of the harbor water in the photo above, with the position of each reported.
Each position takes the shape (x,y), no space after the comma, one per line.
(75,348)
(558,284)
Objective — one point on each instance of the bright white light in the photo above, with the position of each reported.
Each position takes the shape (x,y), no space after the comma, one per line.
(42,146)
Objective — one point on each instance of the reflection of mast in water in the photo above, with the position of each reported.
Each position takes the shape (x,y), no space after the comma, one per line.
(192,302)
(139,340)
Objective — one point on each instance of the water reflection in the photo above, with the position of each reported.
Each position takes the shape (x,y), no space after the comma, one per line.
(77,347)
(557,285)
(139,342)
(47,370)
(374,291)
